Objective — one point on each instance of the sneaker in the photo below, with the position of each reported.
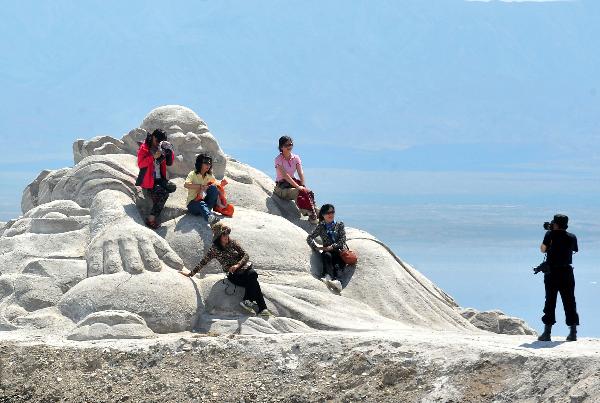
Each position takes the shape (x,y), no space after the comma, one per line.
(326,279)
(248,306)
(265,313)
(212,220)
(336,284)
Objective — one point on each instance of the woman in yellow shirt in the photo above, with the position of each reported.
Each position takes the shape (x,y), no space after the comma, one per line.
(202,195)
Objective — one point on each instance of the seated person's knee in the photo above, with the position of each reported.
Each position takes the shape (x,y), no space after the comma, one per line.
(195,208)
(212,190)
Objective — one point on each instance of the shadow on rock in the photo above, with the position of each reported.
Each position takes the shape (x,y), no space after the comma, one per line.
(224,298)
(542,344)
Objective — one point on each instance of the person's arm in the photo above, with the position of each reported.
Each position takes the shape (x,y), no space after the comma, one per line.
(145,158)
(169,156)
(301,175)
(310,239)
(546,242)
(341,241)
(575,246)
(189,185)
(210,255)
(243,260)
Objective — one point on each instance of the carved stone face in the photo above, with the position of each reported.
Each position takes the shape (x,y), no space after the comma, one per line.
(189,136)
(185,130)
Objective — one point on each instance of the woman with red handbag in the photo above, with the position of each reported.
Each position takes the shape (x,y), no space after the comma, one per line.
(333,237)
(287,186)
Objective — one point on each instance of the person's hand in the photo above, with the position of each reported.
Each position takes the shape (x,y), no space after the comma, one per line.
(188,274)
(131,248)
(157,154)
(328,248)
(302,188)
(233,268)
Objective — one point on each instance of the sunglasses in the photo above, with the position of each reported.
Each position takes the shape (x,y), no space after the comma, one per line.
(207,162)
(330,212)
(289,145)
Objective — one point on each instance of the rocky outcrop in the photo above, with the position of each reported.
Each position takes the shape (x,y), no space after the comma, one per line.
(111,325)
(166,300)
(99,145)
(40,190)
(497,322)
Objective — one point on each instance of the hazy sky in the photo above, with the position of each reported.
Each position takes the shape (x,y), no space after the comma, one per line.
(432,114)
(501,97)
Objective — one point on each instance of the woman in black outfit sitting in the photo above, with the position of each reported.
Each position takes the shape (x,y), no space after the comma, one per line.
(235,262)
(333,237)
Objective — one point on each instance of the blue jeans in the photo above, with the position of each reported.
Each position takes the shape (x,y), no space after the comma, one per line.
(204,207)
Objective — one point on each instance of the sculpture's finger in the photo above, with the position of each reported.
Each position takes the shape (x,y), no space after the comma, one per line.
(111,257)
(149,256)
(95,257)
(167,255)
(130,256)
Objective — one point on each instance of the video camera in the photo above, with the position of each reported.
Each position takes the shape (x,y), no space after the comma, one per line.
(543,267)
(164,146)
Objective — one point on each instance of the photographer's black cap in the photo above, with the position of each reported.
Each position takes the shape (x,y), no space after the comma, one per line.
(561,220)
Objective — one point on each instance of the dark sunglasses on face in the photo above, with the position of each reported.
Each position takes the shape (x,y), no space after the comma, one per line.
(330,212)
(289,145)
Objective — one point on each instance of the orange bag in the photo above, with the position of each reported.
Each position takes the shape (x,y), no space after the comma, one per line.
(349,256)
(222,207)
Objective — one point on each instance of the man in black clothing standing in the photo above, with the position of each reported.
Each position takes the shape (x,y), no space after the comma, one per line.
(559,245)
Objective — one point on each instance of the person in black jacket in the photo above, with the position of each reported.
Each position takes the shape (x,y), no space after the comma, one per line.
(559,246)
(333,238)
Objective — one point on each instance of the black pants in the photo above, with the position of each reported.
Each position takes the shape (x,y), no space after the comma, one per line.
(159,195)
(560,280)
(249,280)
(332,262)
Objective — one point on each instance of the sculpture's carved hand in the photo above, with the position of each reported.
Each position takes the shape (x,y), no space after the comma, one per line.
(131,248)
